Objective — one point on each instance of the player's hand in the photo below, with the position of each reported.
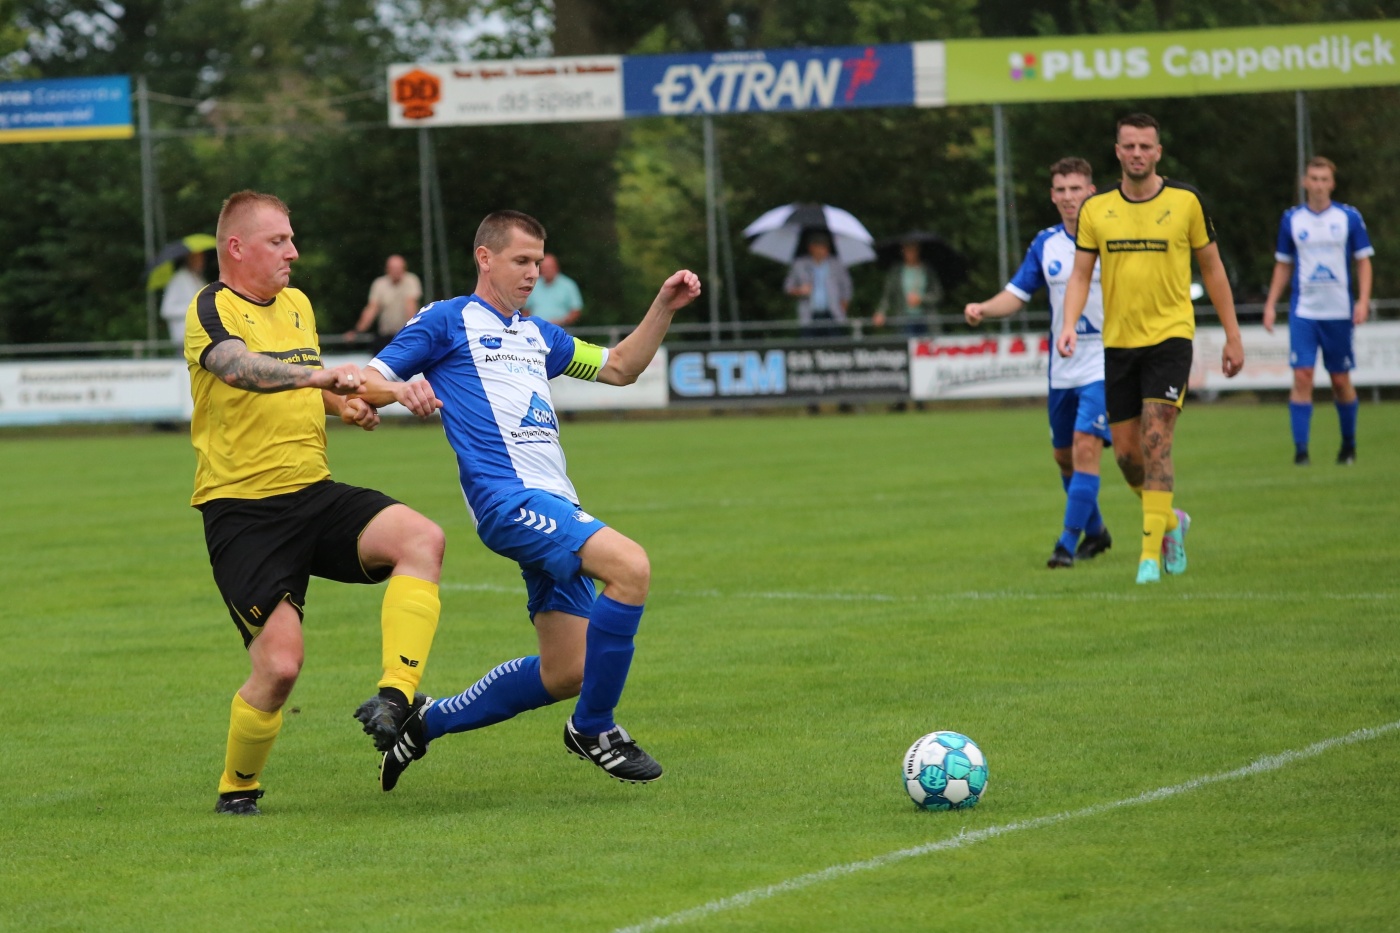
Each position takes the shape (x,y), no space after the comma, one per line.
(1361,312)
(342,380)
(1067,343)
(418,397)
(973,313)
(1232,357)
(679,290)
(360,413)
(1270,315)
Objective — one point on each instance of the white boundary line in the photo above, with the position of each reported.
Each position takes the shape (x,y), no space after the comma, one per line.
(754,895)
(1156,596)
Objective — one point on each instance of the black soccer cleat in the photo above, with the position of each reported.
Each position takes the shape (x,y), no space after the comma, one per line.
(1346,456)
(1091,546)
(408,748)
(239,803)
(384,714)
(615,752)
(1060,558)
(1301,458)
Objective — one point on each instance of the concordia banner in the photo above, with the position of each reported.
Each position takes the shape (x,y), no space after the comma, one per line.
(65,108)
(1173,64)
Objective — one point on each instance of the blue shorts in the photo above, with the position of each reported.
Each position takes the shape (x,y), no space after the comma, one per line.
(1079,409)
(1334,337)
(543,533)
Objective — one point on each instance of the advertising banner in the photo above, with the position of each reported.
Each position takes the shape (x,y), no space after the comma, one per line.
(65,108)
(1173,64)
(769,81)
(94,391)
(1004,366)
(793,371)
(542,90)
(1266,365)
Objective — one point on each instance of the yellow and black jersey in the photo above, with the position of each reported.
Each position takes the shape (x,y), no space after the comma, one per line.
(1144,252)
(250,445)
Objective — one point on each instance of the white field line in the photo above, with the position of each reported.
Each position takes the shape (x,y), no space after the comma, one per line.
(1156,596)
(754,895)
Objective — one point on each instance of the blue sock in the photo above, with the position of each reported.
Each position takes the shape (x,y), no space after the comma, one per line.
(1346,413)
(1095,526)
(1064,481)
(1083,493)
(508,689)
(606,659)
(1300,413)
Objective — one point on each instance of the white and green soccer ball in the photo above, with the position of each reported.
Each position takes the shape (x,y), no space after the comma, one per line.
(945,771)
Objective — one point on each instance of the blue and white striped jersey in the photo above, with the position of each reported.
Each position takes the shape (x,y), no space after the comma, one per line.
(1048,263)
(1321,247)
(491,371)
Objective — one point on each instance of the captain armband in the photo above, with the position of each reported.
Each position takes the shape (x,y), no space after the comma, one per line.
(588,359)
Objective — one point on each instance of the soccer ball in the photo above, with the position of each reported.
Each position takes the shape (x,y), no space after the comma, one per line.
(945,771)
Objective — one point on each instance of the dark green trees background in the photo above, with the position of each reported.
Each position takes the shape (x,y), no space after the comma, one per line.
(288,96)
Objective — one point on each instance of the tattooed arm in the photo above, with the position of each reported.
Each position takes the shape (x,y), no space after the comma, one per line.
(236,365)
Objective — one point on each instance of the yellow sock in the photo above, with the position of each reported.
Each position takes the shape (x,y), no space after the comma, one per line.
(409,619)
(1156,509)
(251,733)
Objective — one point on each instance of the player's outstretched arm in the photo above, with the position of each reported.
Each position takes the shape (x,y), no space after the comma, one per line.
(1076,296)
(1002,304)
(353,411)
(241,368)
(634,353)
(417,396)
(1217,285)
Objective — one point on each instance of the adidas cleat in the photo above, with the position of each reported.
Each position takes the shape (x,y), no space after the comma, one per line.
(408,747)
(1093,545)
(1060,558)
(384,714)
(1148,572)
(239,803)
(1174,544)
(615,752)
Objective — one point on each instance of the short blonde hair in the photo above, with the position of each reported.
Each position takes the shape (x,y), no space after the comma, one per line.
(1322,162)
(239,205)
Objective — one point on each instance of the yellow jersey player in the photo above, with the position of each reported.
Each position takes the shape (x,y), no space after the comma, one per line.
(1143,234)
(272,515)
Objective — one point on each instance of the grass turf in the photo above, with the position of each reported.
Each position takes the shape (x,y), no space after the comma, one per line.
(825,590)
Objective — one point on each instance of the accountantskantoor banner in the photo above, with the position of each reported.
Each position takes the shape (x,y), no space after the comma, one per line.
(1173,64)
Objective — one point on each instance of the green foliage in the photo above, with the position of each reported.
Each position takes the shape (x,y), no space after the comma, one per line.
(806,624)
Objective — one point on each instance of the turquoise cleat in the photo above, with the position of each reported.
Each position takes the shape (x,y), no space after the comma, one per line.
(1174,544)
(1148,572)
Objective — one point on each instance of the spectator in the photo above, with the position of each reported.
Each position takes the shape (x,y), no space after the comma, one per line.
(184,285)
(393,299)
(911,290)
(822,286)
(555,297)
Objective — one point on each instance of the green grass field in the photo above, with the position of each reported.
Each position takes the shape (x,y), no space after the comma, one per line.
(825,590)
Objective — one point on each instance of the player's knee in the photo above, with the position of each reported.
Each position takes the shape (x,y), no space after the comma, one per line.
(1131,468)
(562,679)
(426,540)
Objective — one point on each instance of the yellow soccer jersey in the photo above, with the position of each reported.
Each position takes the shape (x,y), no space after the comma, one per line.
(250,445)
(1144,252)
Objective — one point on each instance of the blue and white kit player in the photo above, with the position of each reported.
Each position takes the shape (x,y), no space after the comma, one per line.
(1078,417)
(486,367)
(1319,242)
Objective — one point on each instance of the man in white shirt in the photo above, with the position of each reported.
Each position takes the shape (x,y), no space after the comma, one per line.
(184,285)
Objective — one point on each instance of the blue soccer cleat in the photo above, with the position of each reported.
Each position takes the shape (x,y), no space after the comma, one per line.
(1148,571)
(1174,545)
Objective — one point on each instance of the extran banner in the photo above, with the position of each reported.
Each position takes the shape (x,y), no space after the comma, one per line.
(1173,64)
(764,81)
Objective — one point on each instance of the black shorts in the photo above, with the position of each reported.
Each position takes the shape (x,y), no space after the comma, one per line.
(263,551)
(1133,375)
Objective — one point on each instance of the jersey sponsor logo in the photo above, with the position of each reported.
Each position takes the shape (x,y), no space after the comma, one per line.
(1323,274)
(491,343)
(1166,215)
(539,414)
(1054,267)
(305,356)
(1303,235)
(581,516)
(1137,246)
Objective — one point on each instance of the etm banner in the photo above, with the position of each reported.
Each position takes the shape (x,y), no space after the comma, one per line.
(65,108)
(1172,64)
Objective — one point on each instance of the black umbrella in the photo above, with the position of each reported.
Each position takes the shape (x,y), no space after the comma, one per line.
(946,262)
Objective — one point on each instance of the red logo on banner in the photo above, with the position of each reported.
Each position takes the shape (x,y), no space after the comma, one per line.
(416,92)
